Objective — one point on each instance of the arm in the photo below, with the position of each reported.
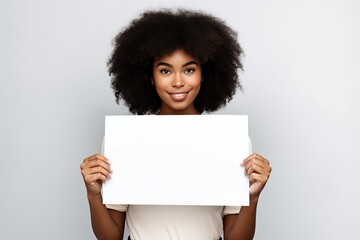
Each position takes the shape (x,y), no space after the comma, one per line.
(242,225)
(106,223)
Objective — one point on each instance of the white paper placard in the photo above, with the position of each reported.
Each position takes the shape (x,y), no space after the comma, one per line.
(177,160)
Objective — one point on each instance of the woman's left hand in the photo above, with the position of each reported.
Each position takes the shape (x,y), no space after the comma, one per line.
(258,169)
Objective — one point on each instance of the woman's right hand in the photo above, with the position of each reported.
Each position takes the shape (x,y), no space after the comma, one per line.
(95,170)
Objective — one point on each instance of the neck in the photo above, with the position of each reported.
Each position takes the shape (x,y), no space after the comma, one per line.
(168,111)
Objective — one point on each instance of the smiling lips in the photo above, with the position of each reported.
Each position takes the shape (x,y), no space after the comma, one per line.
(178,96)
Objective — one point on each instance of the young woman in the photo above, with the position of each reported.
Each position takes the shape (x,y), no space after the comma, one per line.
(174,62)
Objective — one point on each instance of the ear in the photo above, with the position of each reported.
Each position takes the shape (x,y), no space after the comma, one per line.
(152,81)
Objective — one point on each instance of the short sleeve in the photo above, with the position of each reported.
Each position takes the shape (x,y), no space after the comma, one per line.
(231,210)
(117,207)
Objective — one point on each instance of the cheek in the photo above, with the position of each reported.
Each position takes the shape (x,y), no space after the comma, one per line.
(196,80)
(160,81)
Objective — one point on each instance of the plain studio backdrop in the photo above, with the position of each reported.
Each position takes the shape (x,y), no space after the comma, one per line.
(301,84)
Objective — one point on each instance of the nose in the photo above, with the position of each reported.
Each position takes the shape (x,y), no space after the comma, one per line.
(178,81)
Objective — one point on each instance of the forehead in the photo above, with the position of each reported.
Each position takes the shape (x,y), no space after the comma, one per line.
(178,55)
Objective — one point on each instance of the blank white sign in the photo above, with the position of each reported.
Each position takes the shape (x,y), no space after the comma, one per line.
(177,160)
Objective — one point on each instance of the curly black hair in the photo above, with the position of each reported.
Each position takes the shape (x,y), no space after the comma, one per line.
(157,33)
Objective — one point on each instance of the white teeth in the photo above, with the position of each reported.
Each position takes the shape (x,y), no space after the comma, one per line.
(178,94)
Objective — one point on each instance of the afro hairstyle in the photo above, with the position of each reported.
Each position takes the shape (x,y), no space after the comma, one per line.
(158,33)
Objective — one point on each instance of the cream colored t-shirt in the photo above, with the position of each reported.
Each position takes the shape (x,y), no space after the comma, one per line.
(149,222)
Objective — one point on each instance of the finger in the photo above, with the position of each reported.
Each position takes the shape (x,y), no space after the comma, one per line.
(260,158)
(93,160)
(96,163)
(255,156)
(255,177)
(96,170)
(95,157)
(91,179)
(259,163)
(246,160)
(249,158)
(253,162)
(256,169)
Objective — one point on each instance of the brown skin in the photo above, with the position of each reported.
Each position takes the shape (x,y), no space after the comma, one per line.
(242,226)
(180,74)
(109,224)
(106,223)
(177,79)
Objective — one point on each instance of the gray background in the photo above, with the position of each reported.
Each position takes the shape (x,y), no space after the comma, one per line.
(300,91)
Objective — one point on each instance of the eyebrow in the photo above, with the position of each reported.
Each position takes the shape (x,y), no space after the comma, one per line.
(171,66)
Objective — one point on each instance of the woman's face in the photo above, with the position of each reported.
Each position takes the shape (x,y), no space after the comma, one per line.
(177,79)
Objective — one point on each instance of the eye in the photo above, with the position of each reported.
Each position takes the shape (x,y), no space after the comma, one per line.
(189,70)
(165,71)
